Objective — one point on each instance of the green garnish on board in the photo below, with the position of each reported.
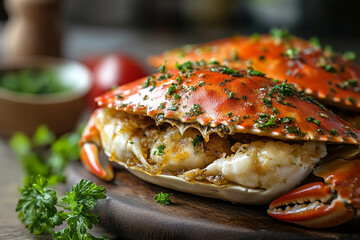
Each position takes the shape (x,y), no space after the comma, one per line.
(163,198)
(38,208)
(51,163)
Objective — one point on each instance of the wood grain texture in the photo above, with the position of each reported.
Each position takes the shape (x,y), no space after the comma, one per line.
(131,212)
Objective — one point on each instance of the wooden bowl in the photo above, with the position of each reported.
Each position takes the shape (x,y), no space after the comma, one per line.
(21,112)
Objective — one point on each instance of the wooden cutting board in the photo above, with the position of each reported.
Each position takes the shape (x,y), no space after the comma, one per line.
(132,213)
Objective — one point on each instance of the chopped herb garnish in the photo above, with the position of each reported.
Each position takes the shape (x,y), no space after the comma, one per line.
(312,119)
(352,82)
(197,140)
(163,198)
(261,57)
(231,94)
(291,53)
(280,34)
(160,149)
(284,90)
(244,97)
(119,96)
(123,105)
(174,108)
(267,102)
(226,70)
(253,72)
(349,56)
(192,88)
(295,130)
(147,81)
(213,61)
(178,79)
(351,133)
(229,114)
(171,89)
(333,131)
(162,68)
(350,99)
(162,106)
(153,86)
(185,67)
(315,42)
(311,100)
(255,37)
(196,110)
(201,84)
(285,103)
(225,81)
(320,131)
(287,120)
(164,76)
(329,68)
(176,96)
(270,123)
(341,68)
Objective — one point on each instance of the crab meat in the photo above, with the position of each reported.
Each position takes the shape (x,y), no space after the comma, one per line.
(270,167)
(214,131)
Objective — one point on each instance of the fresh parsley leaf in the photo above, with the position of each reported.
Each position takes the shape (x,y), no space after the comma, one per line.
(162,68)
(281,34)
(36,206)
(253,72)
(163,198)
(51,162)
(160,149)
(349,56)
(197,140)
(43,136)
(20,144)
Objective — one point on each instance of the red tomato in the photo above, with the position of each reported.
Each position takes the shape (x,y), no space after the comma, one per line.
(111,70)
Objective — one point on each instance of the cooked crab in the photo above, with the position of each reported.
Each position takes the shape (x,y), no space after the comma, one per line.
(230,134)
(331,78)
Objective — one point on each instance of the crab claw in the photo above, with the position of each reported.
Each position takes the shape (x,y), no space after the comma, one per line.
(322,205)
(90,144)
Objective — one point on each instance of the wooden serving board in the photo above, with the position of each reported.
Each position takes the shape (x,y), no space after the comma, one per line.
(132,213)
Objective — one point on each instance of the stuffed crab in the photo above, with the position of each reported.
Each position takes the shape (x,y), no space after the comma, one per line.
(231,134)
(331,78)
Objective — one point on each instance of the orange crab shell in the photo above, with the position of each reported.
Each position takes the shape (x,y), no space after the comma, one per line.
(236,104)
(306,69)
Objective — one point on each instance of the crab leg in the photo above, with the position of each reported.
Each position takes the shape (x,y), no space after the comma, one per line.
(90,144)
(322,205)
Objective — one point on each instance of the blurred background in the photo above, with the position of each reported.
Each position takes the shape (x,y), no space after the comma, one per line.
(143,27)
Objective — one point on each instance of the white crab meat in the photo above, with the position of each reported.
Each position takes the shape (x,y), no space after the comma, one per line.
(252,172)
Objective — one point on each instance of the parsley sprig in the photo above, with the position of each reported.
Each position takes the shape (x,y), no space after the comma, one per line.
(37,208)
(45,155)
(163,198)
